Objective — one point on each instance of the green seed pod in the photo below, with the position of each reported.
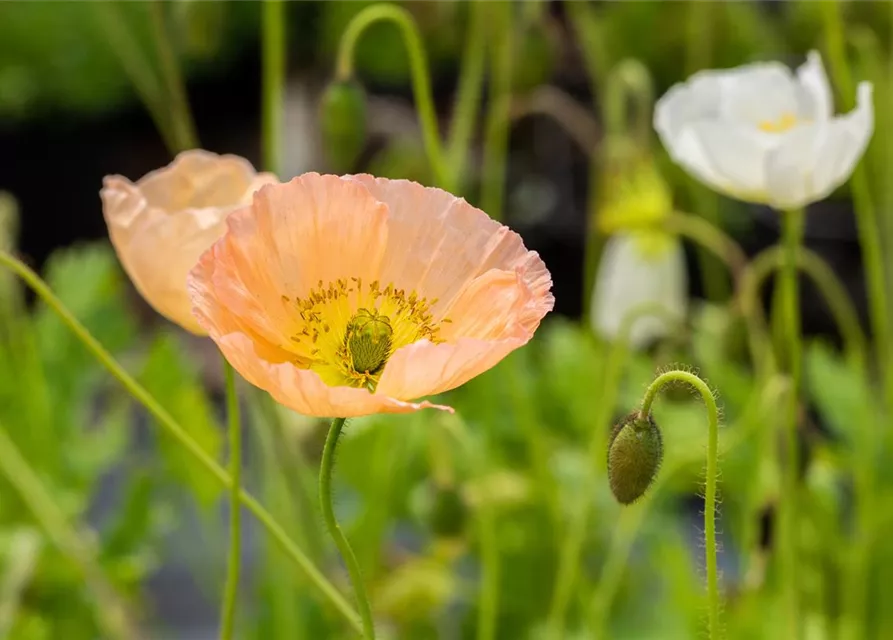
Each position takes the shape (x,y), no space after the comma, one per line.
(343,116)
(634,456)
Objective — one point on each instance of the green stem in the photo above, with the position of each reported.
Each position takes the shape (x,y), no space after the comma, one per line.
(328,513)
(490,569)
(184,136)
(572,546)
(826,281)
(231,590)
(273,99)
(866,214)
(418,61)
(701,387)
(468,95)
(110,610)
(792,237)
(178,433)
(496,133)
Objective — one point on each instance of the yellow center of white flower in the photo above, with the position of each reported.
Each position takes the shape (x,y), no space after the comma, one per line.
(784,122)
(348,331)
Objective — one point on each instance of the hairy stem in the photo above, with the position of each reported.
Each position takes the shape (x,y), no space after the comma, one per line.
(328,513)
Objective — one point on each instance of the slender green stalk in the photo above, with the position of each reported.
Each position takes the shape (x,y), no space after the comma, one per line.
(488,607)
(183,133)
(231,590)
(418,61)
(178,433)
(826,281)
(792,238)
(468,95)
(273,99)
(701,387)
(110,609)
(866,214)
(326,468)
(496,133)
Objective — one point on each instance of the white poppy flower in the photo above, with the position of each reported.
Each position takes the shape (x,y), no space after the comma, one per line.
(639,270)
(762,134)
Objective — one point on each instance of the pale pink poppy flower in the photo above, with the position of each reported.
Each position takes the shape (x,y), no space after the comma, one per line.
(161,224)
(347,296)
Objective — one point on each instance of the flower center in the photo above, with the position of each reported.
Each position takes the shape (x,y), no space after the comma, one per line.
(347,331)
(784,122)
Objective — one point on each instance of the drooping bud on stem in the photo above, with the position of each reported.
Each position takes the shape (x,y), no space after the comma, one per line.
(635,452)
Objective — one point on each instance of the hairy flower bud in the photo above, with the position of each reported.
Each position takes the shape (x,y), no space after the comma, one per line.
(635,452)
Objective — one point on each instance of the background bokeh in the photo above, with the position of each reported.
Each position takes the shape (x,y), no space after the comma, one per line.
(416,503)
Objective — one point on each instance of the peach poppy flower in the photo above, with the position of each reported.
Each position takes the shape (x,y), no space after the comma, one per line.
(346,296)
(161,224)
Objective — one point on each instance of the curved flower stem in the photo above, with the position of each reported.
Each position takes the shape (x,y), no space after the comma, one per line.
(825,280)
(184,136)
(793,238)
(110,609)
(496,131)
(273,67)
(178,433)
(231,590)
(468,95)
(326,469)
(572,546)
(418,61)
(701,387)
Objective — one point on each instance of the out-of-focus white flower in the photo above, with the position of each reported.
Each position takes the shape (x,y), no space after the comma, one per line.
(640,270)
(763,134)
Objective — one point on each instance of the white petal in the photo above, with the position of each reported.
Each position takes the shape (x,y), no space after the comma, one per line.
(735,154)
(813,160)
(813,78)
(629,279)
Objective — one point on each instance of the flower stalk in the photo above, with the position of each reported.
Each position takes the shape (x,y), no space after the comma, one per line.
(793,222)
(231,588)
(701,387)
(326,470)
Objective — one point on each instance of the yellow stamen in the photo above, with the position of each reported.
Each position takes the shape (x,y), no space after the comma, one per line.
(786,121)
(346,331)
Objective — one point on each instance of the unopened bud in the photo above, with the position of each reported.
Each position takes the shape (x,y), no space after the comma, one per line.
(635,452)
(343,115)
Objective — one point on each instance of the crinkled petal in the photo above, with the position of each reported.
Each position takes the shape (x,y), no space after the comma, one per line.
(439,243)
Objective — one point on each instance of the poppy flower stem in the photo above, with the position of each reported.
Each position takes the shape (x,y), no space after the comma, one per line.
(685,377)
(792,237)
(326,470)
(231,590)
(273,97)
(179,434)
(418,62)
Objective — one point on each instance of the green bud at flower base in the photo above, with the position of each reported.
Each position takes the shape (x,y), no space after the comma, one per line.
(635,452)
(343,117)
